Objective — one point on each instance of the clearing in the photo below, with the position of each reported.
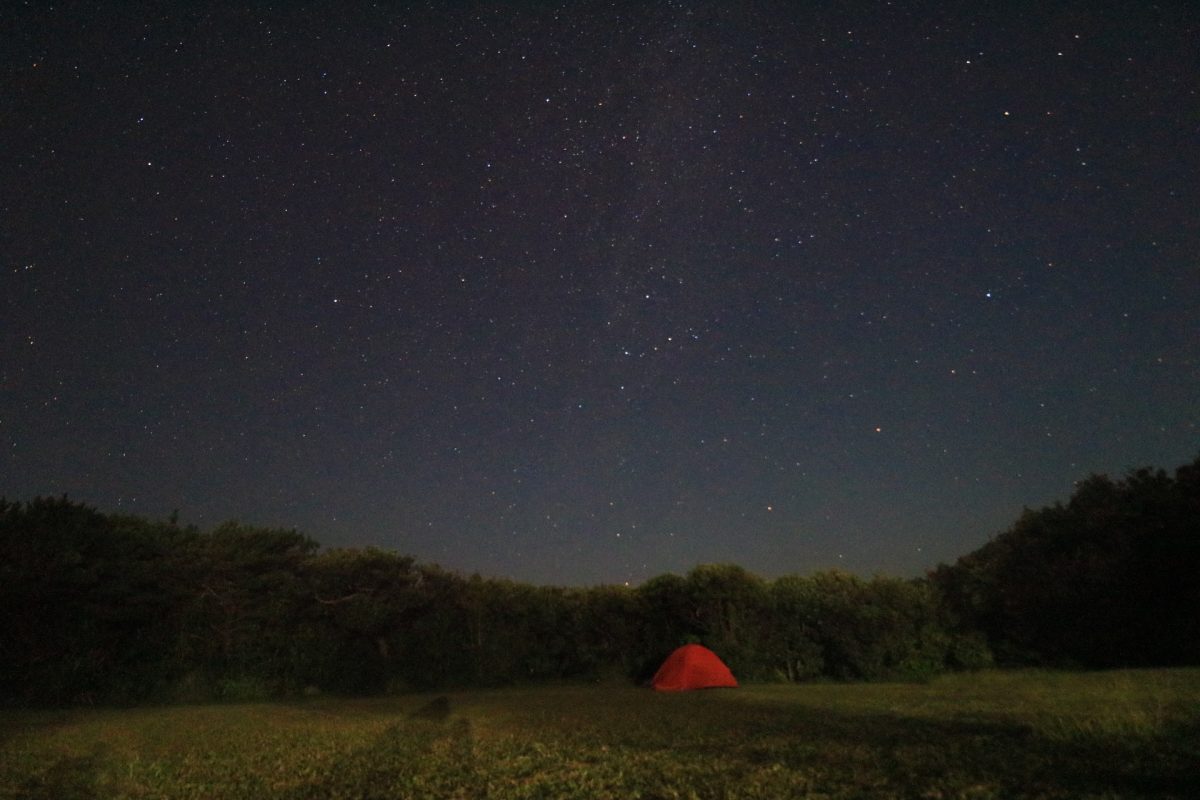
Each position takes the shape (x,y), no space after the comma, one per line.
(1131,733)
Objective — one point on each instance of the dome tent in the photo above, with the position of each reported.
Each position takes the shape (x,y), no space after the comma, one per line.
(692,666)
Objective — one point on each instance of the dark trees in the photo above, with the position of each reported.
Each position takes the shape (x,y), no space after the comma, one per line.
(108,608)
(1109,579)
(359,602)
(86,601)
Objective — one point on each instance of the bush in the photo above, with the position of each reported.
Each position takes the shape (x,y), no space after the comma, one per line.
(243,689)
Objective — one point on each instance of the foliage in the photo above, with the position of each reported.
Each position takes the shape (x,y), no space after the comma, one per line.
(85,601)
(984,735)
(99,608)
(1109,579)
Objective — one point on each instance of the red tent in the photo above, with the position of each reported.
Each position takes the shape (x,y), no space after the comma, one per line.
(692,666)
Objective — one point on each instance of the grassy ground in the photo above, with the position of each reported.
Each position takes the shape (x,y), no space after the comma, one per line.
(1023,734)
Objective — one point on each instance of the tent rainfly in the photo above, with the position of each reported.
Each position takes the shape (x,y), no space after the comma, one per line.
(692,666)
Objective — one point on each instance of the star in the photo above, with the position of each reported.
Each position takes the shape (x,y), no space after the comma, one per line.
(386,283)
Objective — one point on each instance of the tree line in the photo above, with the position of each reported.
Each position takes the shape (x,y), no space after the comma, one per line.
(109,608)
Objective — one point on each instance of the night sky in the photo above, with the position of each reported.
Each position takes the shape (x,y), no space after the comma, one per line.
(584,293)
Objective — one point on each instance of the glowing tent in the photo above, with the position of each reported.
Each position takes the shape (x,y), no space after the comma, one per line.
(692,666)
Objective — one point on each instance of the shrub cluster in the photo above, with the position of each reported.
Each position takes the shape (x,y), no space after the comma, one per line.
(1110,579)
(107,608)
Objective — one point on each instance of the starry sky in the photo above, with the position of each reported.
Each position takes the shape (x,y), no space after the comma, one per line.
(588,292)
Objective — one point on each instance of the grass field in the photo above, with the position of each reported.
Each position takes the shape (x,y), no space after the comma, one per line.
(997,734)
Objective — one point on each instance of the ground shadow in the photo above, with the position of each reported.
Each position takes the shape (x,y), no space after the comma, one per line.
(979,749)
(64,778)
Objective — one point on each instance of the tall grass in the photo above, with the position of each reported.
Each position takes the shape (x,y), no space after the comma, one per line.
(997,734)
